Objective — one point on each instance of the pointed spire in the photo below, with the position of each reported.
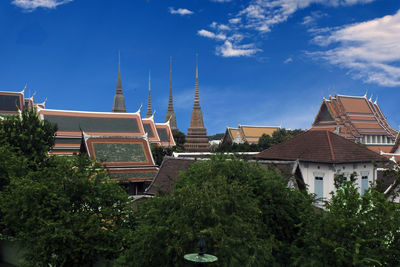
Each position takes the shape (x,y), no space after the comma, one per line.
(119,86)
(119,99)
(149,113)
(376,101)
(170,116)
(196,93)
(170,102)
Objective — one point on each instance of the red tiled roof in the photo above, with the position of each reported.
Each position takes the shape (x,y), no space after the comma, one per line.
(319,146)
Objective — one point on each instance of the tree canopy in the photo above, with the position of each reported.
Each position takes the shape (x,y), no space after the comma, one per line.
(239,208)
(64,210)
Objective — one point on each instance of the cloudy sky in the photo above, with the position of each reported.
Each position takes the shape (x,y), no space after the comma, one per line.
(261,62)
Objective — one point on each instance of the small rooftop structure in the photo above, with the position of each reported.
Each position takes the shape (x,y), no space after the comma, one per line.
(247,133)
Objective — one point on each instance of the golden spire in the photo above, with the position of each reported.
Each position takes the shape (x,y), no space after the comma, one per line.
(149,113)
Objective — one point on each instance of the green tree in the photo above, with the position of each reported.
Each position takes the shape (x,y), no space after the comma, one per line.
(28,135)
(160,152)
(245,212)
(355,230)
(180,139)
(277,137)
(66,214)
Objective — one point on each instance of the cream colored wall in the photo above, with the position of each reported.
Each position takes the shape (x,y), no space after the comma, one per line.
(329,170)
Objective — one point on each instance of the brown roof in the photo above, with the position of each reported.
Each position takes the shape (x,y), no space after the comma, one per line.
(169,171)
(354,104)
(319,146)
(356,116)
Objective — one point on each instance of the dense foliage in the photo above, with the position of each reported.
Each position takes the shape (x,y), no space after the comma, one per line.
(245,212)
(63,210)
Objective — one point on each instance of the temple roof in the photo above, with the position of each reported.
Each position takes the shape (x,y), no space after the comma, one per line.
(151,130)
(11,102)
(320,147)
(71,123)
(355,116)
(252,134)
(165,134)
(119,151)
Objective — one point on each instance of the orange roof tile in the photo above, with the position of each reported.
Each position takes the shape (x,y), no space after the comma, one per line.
(354,104)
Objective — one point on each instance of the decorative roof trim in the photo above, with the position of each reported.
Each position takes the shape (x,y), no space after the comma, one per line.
(126,114)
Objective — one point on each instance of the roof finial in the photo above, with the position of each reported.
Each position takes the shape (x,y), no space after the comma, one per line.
(23,90)
(366,92)
(376,101)
(370,99)
(149,113)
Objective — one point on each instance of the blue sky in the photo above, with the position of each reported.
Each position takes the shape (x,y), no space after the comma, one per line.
(261,62)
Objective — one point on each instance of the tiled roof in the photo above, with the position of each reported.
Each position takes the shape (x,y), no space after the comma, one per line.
(106,123)
(119,151)
(319,146)
(11,102)
(169,171)
(165,134)
(353,117)
(151,130)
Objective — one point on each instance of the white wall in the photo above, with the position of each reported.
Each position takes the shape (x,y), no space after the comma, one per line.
(309,170)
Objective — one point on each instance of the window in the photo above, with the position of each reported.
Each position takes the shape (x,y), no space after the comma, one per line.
(319,186)
(364,182)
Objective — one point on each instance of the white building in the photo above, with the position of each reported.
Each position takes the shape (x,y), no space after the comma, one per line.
(319,156)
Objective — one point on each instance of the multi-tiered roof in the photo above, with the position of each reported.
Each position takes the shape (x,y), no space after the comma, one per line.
(356,118)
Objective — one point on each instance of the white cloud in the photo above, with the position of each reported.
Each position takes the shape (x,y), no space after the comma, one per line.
(312,18)
(288,60)
(259,16)
(31,5)
(235,20)
(369,50)
(230,50)
(211,35)
(180,11)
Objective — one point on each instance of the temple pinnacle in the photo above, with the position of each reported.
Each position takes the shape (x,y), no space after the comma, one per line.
(149,113)
(170,116)
(119,99)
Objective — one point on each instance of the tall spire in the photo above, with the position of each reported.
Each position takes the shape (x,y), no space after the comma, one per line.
(196,91)
(119,99)
(149,113)
(196,140)
(170,116)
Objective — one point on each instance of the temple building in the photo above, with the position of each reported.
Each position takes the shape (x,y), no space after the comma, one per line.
(358,119)
(170,116)
(196,139)
(247,133)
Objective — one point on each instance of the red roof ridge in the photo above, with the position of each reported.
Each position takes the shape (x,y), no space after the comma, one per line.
(330,145)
